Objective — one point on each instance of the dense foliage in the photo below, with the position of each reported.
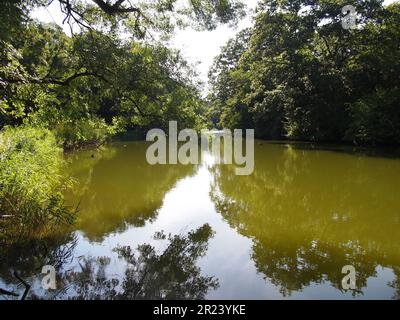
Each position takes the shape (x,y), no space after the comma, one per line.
(30,182)
(57,81)
(298,74)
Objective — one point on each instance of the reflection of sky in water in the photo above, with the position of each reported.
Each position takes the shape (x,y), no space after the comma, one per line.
(186,207)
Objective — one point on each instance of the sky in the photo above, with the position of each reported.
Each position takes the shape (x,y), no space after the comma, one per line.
(198,47)
(202,47)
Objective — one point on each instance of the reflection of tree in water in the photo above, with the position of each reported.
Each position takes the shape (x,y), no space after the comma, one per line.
(295,268)
(118,188)
(311,213)
(172,274)
(27,258)
(395,284)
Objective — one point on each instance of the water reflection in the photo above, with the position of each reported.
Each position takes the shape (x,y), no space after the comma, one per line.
(149,274)
(311,213)
(116,187)
(286,231)
(171,274)
(25,260)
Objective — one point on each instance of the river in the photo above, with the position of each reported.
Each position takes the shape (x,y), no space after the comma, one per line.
(200,231)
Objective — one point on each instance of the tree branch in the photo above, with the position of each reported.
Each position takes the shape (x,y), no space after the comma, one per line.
(116,8)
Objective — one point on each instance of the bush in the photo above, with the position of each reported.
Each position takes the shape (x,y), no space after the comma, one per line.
(76,133)
(74,130)
(31,184)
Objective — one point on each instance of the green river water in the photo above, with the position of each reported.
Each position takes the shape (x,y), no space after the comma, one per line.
(183,232)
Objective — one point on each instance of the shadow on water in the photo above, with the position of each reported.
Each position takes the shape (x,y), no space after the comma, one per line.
(390,152)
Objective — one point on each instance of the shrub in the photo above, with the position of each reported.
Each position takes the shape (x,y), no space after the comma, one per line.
(76,133)
(31,182)
(74,130)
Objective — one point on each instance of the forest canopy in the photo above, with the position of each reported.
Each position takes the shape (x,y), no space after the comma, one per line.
(52,79)
(298,74)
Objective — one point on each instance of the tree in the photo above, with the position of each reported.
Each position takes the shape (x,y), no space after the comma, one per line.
(228,81)
(308,78)
(51,78)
